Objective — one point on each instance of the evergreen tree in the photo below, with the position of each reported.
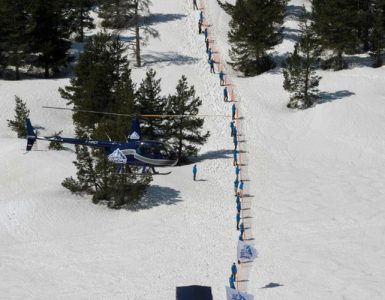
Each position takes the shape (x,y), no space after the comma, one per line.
(51,28)
(335,22)
(21,113)
(377,35)
(133,15)
(184,133)
(256,27)
(81,18)
(13,34)
(299,69)
(116,14)
(54,145)
(102,83)
(149,101)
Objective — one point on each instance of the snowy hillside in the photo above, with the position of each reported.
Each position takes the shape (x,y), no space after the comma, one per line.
(314,183)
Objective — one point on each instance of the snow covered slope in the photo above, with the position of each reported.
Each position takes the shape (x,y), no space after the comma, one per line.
(315,180)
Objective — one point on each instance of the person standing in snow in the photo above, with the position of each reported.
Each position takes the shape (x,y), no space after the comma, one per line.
(234,271)
(242,229)
(239,207)
(241,187)
(237,171)
(195,171)
(212,66)
(201,17)
(195,5)
(238,219)
(232,128)
(225,95)
(236,183)
(206,33)
(221,78)
(207,45)
(209,54)
(233,110)
(235,143)
(231,282)
(235,132)
(235,159)
(199,27)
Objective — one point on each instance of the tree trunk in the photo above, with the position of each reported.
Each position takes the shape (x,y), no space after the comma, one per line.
(17,73)
(137,37)
(46,71)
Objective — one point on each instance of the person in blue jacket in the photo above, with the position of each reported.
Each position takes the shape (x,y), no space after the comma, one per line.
(195,171)
(225,95)
(206,33)
(235,131)
(238,198)
(241,186)
(212,66)
(221,78)
(238,219)
(232,127)
(231,282)
(209,54)
(236,182)
(239,207)
(242,228)
(237,171)
(241,237)
(233,110)
(235,143)
(235,158)
(234,271)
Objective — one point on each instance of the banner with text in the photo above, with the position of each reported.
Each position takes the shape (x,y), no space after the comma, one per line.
(237,295)
(246,252)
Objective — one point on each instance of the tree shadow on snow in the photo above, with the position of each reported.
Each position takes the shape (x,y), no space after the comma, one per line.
(293,12)
(163,18)
(168,58)
(218,154)
(155,196)
(330,97)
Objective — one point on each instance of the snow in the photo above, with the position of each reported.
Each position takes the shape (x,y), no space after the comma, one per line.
(315,186)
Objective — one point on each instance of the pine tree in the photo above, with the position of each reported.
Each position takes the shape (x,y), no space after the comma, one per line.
(256,27)
(335,22)
(14,37)
(21,113)
(102,83)
(299,69)
(377,34)
(184,133)
(133,15)
(50,31)
(149,101)
(81,18)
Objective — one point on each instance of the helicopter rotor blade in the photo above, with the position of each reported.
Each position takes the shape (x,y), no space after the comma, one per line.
(137,115)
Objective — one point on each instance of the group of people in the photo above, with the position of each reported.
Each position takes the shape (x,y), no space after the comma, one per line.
(238,183)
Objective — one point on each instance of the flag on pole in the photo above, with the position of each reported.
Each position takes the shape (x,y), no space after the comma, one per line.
(237,295)
(246,252)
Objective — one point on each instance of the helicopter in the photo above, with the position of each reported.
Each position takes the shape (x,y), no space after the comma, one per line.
(133,152)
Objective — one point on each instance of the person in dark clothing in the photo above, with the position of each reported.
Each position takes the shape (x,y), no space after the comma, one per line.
(233,110)
(225,95)
(199,27)
(207,45)
(235,160)
(212,66)
(195,5)
(195,171)
(232,128)
(221,78)
(209,53)
(206,33)
(234,271)
(238,219)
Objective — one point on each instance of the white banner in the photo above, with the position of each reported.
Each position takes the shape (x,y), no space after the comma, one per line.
(246,252)
(237,295)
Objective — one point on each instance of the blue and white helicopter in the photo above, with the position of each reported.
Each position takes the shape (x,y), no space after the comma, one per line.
(133,152)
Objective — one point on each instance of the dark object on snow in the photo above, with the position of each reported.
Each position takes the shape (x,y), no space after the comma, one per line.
(193,292)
